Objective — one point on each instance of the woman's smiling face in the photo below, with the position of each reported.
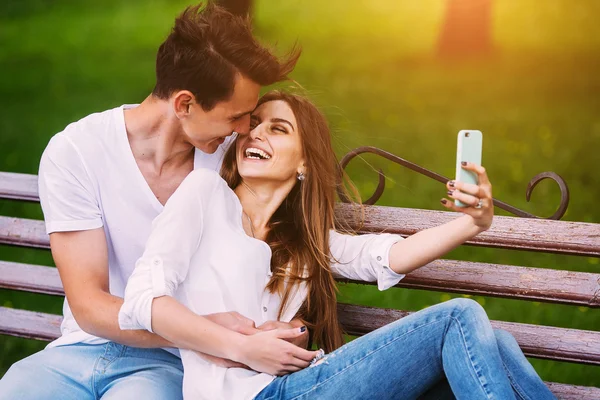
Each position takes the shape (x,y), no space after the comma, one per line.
(273,149)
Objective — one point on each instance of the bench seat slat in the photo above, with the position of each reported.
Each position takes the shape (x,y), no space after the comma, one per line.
(564,237)
(536,341)
(30,278)
(18,186)
(42,326)
(565,287)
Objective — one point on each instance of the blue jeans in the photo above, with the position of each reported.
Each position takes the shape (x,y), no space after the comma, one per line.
(83,371)
(451,342)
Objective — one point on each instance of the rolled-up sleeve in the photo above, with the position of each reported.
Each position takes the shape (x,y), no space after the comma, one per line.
(364,258)
(174,239)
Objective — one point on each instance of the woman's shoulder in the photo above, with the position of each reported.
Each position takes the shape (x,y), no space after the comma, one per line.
(204,179)
(208,184)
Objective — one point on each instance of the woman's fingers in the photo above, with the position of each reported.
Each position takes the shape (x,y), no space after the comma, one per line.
(297,352)
(285,333)
(478,198)
(449,204)
(469,193)
(468,188)
(288,370)
(295,362)
(479,170)
(468,199)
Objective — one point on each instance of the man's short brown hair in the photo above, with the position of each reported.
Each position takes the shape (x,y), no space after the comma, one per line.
(205,50)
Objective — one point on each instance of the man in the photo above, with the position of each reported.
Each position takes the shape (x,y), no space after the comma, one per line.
(106,177)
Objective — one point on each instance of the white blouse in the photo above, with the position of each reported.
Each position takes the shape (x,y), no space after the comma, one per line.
(199,253)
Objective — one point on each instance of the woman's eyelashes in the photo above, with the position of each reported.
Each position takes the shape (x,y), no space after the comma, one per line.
(279,128)
(274,127)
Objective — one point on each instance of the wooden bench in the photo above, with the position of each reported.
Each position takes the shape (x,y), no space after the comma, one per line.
(515,282)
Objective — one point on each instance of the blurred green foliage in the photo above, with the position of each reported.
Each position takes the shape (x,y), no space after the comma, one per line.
(372,67)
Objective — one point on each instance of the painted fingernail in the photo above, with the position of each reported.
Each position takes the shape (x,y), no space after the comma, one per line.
(303,328)
(451,183)
(450,192)
(443,201)
(463,163)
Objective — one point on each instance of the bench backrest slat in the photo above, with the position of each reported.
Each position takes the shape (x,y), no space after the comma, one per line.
(29,324)
(577,238)
(573,392)
(524,283)
(30,278)
(18,186)
(555,286)
(535,340)
(564,237)
(23,232)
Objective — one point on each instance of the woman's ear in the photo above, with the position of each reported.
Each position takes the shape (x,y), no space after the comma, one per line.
(182,103)
(302,168)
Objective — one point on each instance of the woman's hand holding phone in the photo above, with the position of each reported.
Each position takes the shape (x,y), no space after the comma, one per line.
(477,197)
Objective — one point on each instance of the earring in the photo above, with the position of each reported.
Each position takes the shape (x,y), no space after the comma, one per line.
(301,176)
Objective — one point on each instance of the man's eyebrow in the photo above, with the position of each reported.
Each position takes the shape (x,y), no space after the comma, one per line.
(240,115)
(285,121)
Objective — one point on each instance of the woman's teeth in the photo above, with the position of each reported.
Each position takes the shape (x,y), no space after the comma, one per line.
(257,154)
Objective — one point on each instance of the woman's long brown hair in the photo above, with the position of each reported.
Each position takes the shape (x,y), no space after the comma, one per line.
(299,229)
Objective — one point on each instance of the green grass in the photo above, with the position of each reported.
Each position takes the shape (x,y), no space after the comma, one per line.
(371,66)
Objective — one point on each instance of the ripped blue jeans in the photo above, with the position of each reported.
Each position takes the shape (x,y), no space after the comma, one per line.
(413,357)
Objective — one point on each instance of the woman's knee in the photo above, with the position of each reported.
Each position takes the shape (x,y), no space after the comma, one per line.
(472,316)
(462,304)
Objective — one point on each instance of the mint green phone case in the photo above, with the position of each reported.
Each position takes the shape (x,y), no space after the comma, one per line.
(468,149)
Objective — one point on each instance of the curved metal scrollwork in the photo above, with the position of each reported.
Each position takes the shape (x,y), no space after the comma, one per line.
(564,190)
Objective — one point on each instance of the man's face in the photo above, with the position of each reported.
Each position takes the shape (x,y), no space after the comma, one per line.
(206,130)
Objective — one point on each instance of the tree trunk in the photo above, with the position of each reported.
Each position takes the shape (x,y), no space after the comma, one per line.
(467,29)
(237,7)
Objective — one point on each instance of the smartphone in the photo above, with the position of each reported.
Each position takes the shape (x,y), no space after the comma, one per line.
(468,149)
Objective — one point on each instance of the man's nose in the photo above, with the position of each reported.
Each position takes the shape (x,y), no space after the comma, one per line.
(243,125)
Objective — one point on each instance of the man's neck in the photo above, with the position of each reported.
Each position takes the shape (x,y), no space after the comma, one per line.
(156,137)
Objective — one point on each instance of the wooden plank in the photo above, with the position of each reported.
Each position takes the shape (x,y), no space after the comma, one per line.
(572,392)
(34,325)
(507,232)
(23,232)
(547,342)
(508,281)
(30,278)
(564,237)
(18,186)
(555,286)
(29,324)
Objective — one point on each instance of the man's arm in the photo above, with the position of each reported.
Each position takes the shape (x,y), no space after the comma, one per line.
(82,261)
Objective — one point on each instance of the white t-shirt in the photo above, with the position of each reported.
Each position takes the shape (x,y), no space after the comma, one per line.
(199,253)
(88,179)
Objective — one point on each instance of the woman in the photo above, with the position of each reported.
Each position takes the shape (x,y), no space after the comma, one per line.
(262,242)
